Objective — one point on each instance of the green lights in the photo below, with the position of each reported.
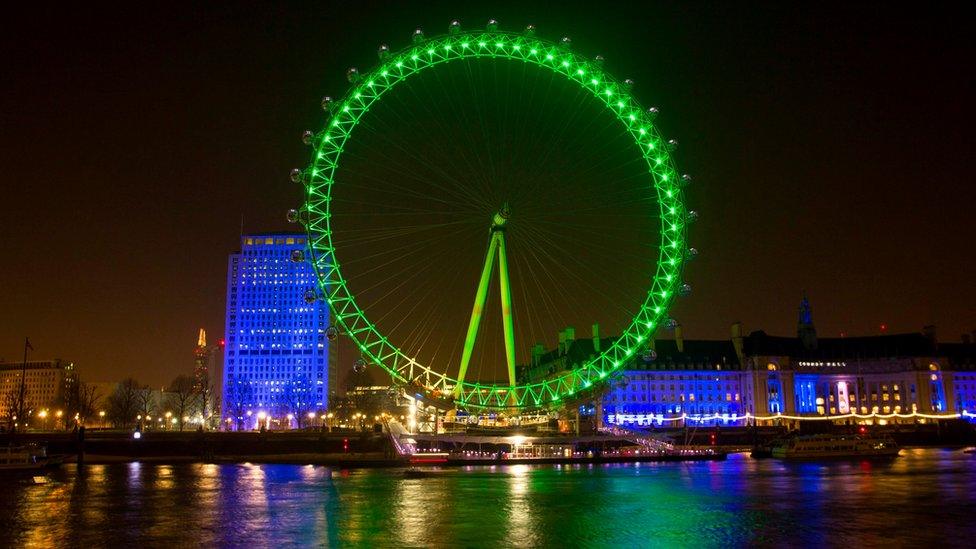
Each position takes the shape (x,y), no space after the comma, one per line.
(492,45)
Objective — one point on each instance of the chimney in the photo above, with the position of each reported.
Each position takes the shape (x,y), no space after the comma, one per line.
(966,339)
(679,338)
(596,338)
(537,351)
(566,339)
(929,332)
(737,340)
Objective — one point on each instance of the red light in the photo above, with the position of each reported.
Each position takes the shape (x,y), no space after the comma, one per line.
(222,343)
(863,429)
(884,327)
(345,445)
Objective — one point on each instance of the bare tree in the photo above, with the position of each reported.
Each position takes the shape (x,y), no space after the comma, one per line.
(123,403)
(237,395)
(11,403)
(204,392)
(145,403)
(296,398)
(88,399)
(181,398)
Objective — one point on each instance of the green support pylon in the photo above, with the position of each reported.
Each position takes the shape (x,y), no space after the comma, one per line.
(497,243)
(507,324)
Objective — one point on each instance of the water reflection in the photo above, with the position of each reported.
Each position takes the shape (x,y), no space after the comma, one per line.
(520,529)
(920,496)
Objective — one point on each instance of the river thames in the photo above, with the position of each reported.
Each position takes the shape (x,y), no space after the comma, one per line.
(923,498)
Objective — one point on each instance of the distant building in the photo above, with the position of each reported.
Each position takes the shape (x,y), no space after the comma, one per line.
(276,355)
(673,382)
(46,384)
(205,359)
(201,364)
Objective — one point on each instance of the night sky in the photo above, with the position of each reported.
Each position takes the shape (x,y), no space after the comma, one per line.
(831,147)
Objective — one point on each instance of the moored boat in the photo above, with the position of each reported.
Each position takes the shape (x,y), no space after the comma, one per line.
(23,458)
(835,446)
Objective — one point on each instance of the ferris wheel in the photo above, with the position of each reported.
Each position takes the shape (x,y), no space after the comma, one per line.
(497,164)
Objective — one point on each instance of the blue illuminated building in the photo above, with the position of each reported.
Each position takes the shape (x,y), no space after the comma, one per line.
(276,362)
(765,379)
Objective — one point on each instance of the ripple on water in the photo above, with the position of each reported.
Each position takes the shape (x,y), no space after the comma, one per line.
(918,498)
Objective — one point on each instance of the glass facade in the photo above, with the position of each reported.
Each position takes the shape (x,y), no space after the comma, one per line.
(276,357)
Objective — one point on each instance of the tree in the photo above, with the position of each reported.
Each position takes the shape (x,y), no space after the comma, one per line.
(181,398)
(204,393)
(123,403)
(78,401)
(11,403)
(237,395)
(146,404)
(296,398)
(88,399)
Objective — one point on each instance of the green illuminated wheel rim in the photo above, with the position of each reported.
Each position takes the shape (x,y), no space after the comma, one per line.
(664,184)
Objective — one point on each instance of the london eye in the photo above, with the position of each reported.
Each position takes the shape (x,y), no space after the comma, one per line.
(474,196)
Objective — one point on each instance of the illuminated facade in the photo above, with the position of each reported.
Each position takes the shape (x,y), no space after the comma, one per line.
(45,384)
(695,378)
(276,357)
(889,374)
(720,382)
(760,378)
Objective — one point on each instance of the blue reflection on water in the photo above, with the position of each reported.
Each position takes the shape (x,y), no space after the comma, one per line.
(924,497)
